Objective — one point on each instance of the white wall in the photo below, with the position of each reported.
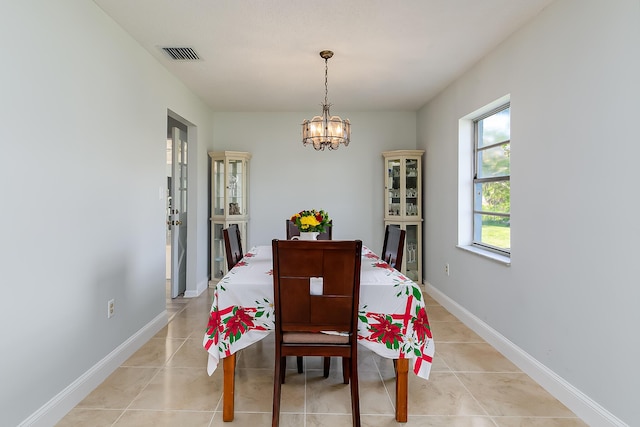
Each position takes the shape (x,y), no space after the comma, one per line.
(570,298)
(286,177)
(84,111)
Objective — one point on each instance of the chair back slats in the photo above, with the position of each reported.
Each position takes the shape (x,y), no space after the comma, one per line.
(292,229)
(295,263)
(331,312)
(232,245)
(393,247)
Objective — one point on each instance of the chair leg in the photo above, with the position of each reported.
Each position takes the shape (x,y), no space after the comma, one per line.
(283,369)
(346,370)
(277,388)
(299,360)
(327,366)
(355,395)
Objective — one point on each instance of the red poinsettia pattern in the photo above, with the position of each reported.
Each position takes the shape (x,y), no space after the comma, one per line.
(384,330)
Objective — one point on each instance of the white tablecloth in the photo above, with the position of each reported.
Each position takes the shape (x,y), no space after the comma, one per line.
(393,320)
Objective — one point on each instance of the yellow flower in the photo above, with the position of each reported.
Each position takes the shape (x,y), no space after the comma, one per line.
(308,221)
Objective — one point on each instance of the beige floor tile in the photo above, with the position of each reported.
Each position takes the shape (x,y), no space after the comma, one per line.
(374,398)
(442,394)
(512,394)
(438,364)
(316,363)
(327,395)
(259,419)
(429,301)
(79,417)
(182,327)
(453,332)
(181,389)
(427,421)
(474,357)
(138,418)
(119,389)
(539,422)
(260,355)
(190,355)
(330,420)
(440,314)
(254,391)
(385,366)
(154,352)
(367,360)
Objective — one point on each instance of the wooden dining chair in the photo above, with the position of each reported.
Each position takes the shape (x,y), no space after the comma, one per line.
(327,234)
(316,288)
(232,245)
(393,246)
(292,230)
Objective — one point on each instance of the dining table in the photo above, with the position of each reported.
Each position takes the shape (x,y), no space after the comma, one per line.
(392,320)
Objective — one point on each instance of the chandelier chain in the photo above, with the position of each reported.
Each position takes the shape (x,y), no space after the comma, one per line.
(326,82)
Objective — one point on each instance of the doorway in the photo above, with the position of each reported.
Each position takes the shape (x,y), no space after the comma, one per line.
(176,209)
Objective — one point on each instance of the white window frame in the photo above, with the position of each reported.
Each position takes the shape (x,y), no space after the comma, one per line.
(477,228)
(466,175)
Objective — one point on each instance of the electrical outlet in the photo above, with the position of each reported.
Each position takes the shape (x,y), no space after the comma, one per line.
(446,269)
(111,308)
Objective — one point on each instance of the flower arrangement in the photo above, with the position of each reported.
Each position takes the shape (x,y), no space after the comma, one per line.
(311,220)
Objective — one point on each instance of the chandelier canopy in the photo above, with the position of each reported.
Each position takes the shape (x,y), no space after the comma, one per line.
(326,131)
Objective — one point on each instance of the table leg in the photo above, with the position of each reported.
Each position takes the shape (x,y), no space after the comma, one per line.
(228,388)
(402,368)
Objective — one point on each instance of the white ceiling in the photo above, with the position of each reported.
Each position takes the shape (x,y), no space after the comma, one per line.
(263,55)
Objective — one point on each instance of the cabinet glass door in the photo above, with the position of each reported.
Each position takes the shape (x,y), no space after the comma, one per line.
(411,252)
(411,187)
(393,187)
(219,266)
(218,190)
(235,189)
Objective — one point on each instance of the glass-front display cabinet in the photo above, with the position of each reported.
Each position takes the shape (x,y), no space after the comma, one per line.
(403,204)
(229,204)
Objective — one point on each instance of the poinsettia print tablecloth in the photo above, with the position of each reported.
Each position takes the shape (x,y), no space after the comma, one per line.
(393,321)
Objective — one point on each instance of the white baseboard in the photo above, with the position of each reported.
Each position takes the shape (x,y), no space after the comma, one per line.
(202,286)
(583,406)
(55,409)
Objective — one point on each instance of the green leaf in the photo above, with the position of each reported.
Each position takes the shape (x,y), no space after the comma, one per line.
(417,293)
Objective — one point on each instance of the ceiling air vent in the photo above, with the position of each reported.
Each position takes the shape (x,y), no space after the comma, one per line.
(181,53)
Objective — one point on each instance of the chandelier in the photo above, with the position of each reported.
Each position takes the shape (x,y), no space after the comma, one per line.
(326,131)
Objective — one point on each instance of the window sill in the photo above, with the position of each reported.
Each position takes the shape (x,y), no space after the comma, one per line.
(502,259)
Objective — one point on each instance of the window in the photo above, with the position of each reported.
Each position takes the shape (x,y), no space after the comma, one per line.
(491,181)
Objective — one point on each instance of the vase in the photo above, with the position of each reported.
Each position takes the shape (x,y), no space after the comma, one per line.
(306,235)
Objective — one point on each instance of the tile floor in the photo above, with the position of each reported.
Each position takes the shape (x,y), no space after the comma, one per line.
(165,384)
